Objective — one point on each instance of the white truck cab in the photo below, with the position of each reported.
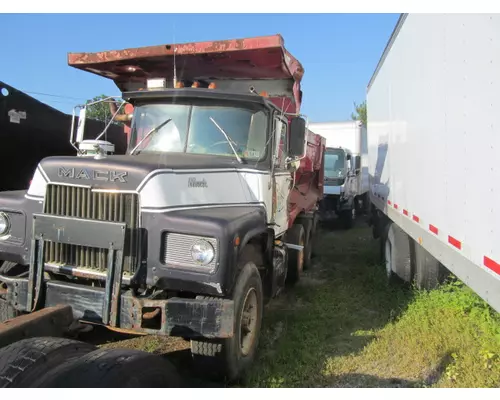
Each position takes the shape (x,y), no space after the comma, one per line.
(346,182)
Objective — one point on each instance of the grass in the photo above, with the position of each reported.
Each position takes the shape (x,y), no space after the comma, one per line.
(344,326)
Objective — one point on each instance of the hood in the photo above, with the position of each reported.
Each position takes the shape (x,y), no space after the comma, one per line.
(123,172)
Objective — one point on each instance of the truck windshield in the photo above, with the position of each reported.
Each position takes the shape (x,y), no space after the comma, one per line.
(334,163)
(197,129)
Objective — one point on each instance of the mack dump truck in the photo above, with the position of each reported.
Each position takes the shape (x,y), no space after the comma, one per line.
(209,214)
(346,191)
(433,132)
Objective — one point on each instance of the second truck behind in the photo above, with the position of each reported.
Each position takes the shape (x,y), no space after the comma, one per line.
(346,169)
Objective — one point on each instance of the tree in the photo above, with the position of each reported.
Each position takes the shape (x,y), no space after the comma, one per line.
(360,112)
(101,111)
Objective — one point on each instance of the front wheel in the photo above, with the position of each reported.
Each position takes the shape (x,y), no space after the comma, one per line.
(232,357)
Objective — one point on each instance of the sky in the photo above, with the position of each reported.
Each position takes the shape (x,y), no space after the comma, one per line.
(339,52)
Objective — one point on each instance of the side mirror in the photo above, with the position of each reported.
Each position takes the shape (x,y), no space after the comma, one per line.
(297,137)
(80,129)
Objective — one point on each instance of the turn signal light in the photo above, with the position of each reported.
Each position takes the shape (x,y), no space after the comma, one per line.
(264,94)
(212,85)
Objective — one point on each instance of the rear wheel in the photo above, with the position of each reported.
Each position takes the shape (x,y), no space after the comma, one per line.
(315,224)
(295,235)
(429,272)
(230,358)
(395,251)
(308,224)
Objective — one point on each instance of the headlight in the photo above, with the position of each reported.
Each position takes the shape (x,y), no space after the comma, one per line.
(202,252)
(4,224)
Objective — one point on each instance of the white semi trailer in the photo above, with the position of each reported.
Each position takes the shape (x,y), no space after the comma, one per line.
(346,182)
(434,142)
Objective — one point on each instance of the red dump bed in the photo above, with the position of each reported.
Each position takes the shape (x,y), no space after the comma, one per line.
(234,65)
(262,62)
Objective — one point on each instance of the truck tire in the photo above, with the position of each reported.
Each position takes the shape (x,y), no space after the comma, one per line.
(395,251)
(231,358)
(308,224)
(22,362)
(347,217)
(295,235)
(314,233)
(116,368)
(429,272)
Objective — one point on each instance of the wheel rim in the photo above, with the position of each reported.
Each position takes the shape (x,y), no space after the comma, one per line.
(248,322)
(388,258)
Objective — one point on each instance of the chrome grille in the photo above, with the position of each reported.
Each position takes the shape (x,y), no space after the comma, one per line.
(82,202)
(177,250)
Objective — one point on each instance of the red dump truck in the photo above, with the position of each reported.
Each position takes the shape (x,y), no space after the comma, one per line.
(210,213)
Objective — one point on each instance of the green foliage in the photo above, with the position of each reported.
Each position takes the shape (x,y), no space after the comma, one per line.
(101,111)
(360,112)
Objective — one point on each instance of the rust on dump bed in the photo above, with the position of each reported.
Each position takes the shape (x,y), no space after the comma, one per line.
(251,58)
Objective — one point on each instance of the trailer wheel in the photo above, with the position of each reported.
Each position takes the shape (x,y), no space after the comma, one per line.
(23,362)
(231,358)
(116,368)
(429,272)
(295,235)
(395,251)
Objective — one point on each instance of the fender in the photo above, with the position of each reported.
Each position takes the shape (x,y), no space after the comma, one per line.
(226,224)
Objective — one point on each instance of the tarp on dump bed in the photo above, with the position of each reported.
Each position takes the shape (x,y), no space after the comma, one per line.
(262,62)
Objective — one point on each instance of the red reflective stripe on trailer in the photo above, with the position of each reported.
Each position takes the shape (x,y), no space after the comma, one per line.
(395,206)
(433,229)
(389,202)
(405,212)
(454,242)
(415,218)
(494,266)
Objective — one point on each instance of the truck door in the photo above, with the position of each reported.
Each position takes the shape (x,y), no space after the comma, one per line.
(351,181)
(282,178)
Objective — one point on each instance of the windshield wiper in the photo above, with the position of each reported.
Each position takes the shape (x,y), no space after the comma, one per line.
(228,140)
(156,129)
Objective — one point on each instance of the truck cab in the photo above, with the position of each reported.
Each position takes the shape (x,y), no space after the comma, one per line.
(208,214)
(346,170)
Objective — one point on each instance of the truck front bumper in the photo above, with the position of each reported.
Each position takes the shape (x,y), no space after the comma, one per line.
(190,318)
(110,305)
